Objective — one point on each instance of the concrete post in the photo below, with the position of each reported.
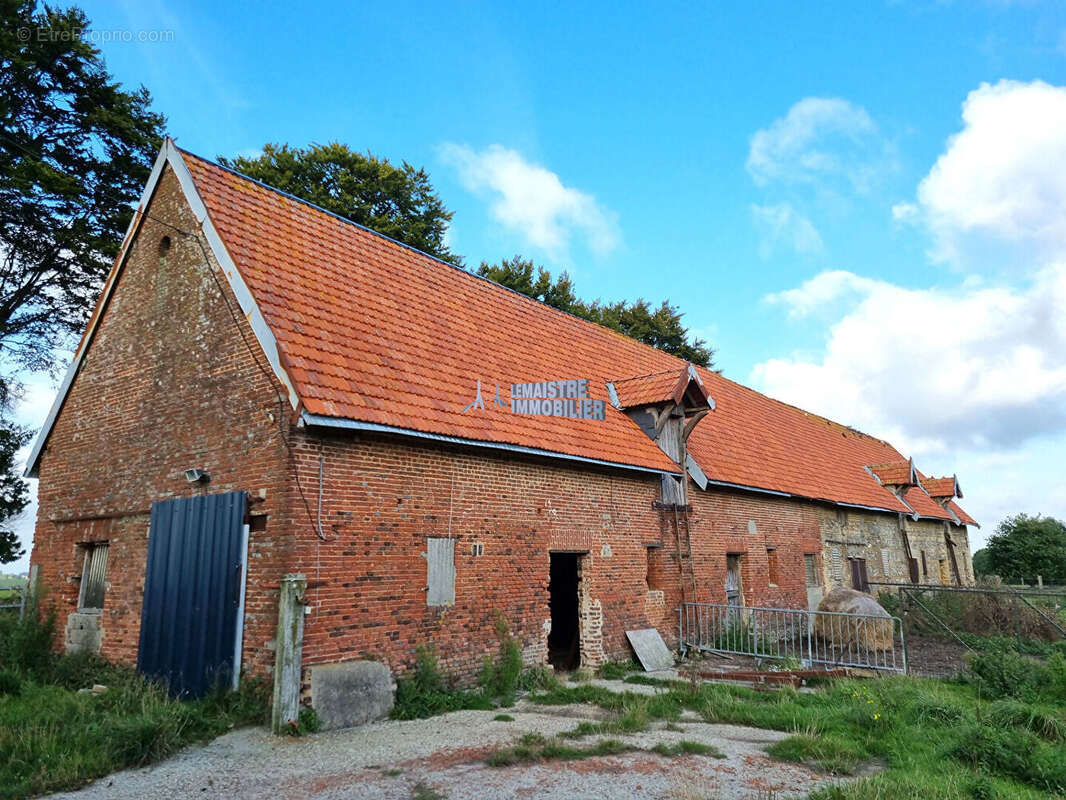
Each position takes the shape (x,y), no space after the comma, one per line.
(288,652)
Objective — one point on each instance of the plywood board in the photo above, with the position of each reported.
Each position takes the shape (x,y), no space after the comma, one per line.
(651,649)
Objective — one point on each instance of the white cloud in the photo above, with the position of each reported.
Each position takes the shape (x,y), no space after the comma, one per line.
(820,140)
(1002,178)
(532,200)
(782,224)
(973,368)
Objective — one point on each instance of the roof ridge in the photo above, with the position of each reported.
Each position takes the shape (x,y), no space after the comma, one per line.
(457,268)
(803,411)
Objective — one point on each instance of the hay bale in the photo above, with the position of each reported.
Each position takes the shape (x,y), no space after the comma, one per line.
(842,632)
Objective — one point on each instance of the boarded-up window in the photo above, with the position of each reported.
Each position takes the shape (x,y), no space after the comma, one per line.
(656,574)
(440,572)
(886,562)
(671,491)
(93,577)
(836,565)
(772,565)
(810,569)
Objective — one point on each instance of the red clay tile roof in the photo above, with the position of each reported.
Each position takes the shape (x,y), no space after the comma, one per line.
(896,473)
(371,330)
(647,389)
(660,387)
(939,487)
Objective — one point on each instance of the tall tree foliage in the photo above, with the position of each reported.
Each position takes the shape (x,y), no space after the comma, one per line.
(75,151)
(1023,547)
(14,494)
(399,202)
(660,326)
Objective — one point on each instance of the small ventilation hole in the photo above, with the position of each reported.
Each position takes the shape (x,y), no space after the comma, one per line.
(164,246)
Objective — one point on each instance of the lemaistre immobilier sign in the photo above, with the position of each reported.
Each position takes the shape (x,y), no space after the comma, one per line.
(569,398)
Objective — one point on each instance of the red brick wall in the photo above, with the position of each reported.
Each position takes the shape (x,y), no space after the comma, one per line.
(382,497)
(167,384)
(749,523)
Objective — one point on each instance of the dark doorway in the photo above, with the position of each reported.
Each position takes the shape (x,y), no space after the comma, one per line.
(564,648)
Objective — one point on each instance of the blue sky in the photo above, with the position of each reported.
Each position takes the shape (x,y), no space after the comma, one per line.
(859,204)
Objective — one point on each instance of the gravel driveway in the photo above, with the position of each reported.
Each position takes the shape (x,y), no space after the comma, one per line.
(390,760)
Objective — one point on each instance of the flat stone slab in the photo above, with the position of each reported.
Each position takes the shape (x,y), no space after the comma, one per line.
(351,693)
(651,649)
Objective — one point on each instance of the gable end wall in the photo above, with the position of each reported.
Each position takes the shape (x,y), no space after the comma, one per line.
(166,384)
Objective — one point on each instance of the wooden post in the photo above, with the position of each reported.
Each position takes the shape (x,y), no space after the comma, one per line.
(288,652)
(31,595)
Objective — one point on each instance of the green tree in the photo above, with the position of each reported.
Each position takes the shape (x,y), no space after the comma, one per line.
(980,562)
(75,152)
(397,201)
(660,326)
(13,491)
(1023,547)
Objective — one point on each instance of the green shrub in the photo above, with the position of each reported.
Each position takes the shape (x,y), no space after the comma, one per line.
(537,677)
(306,722)
(1000,673)
(1013,753)
(9,683)
(500,678)
(425,694)
(26,644)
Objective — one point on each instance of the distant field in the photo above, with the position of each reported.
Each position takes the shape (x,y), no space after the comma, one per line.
(11,587)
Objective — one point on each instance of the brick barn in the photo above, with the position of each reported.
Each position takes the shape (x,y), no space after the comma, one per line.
(265,388)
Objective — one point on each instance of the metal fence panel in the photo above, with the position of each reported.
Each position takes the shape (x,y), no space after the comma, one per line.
(828,638)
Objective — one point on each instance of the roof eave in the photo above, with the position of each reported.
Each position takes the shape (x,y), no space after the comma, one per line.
(344,423)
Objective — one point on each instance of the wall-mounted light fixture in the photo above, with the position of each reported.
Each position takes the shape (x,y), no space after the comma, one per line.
(196,476)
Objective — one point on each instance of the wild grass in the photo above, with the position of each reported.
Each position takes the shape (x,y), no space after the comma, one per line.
(53,738)
(979,737)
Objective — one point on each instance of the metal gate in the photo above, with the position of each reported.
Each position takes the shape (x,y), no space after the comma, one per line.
(824,638)
(194,593)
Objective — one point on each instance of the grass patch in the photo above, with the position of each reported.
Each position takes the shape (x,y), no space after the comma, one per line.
(503,718)
(533,747)
(981,736)
(616,670)
(53,738)
(423,792)
(687,748)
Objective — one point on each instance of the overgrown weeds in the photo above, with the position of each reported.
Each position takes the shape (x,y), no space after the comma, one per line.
(937,740)
(54,738)
(426,692)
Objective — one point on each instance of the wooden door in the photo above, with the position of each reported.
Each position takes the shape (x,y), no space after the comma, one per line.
(860,581)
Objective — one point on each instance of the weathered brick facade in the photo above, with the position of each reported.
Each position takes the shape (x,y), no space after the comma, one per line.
(174,379)
(167,384)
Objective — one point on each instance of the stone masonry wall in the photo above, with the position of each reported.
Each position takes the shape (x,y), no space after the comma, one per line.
(876,537)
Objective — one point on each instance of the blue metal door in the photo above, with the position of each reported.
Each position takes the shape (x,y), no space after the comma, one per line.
(192,591)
